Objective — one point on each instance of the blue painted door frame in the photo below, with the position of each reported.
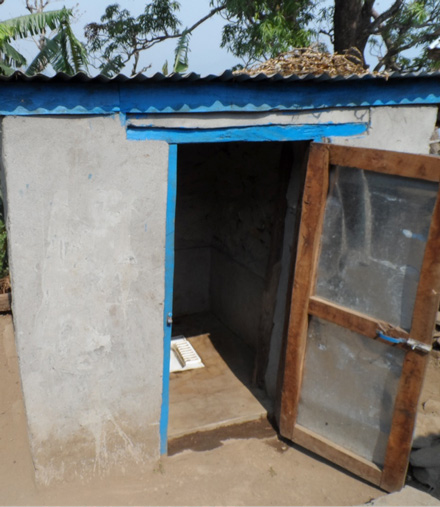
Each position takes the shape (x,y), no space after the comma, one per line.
(267,133)
(168,306)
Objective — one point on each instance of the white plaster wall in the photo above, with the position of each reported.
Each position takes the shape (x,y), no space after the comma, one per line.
(406,129)
(86,226)
(238,119)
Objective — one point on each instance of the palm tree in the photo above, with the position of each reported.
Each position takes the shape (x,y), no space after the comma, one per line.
(63,51)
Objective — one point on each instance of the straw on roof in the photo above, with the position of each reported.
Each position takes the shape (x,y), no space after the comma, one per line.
(304,61)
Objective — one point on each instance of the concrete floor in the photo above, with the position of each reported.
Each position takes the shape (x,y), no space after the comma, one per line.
(219,394)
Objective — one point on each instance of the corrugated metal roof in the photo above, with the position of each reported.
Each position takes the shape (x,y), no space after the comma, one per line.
(227,76)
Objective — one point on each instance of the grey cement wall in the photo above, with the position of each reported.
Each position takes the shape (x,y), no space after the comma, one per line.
(246,194)
(236,296)
(239,119)
(226,196)
(86,225)
(193,231)
(405,129)
(192,269)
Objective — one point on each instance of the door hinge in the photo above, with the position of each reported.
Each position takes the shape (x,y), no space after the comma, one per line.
(169,319)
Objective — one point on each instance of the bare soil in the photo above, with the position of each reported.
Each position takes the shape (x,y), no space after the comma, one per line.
(246,465)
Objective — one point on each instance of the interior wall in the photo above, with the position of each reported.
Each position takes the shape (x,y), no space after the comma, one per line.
(286,268)
(193,230)
(246,185)
(226,200)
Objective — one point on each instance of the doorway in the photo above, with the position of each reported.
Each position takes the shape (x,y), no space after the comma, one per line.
(231,227)
(230,217)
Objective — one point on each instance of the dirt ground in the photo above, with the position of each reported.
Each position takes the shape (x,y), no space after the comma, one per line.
(220,469)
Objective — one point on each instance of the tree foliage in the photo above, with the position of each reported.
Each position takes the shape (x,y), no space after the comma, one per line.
(120,38)
(260,29)
(414,26)
(62,50)
(256,30)
(398,35)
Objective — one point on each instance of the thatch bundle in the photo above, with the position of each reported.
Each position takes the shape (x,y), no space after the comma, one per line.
(303,61)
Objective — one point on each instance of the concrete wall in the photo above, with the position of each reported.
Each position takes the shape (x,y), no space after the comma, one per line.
(226,195)
(86,223)
(405,129)
(193,230)
(246,193)
(239,119)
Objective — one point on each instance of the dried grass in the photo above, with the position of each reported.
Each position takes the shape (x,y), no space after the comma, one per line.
(304,61)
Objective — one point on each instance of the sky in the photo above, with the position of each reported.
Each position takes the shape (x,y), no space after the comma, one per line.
(206,56)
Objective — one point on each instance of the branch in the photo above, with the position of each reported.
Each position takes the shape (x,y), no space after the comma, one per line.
(148,43)
(133,48)
(394,51)
(406,26)
(202,20)
(368,4)
(136,60)
(330,35)
(367,11)
(380,18)
(35,7)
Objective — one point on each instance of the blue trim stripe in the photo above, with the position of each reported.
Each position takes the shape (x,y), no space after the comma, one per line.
(258,97)
(168,307)
(314,132)
(23,99)
(33,98)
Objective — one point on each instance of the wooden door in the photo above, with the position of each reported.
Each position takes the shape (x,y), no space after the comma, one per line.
(364,301)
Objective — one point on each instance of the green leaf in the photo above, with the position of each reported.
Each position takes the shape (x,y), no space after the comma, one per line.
(32,24)
(181,53)
(44,57)
(13,55)
(262,29)
(6,69)
(120,37)
(76,50)
(111,67)
(63,51)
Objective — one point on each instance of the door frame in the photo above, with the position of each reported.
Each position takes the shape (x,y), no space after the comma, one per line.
(168,302)
(304,304)
(183,135)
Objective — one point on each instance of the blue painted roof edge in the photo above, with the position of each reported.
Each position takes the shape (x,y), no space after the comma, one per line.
(75,96)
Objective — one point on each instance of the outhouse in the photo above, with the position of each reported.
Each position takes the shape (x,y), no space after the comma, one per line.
(290,225)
